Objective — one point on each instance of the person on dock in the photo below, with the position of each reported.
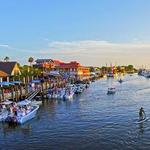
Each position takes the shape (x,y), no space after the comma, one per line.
(142,114)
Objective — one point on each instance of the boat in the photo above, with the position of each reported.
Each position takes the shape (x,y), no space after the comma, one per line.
(25,111)
(111,90)
(4,111)
(87,86)
(35,102)
(78,90)
(111,75)
(120,80)
(61,94)
(69,95)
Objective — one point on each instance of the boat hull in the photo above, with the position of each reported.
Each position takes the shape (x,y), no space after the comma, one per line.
(29,116)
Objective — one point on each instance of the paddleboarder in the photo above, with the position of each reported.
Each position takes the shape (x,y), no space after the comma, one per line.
(142,114)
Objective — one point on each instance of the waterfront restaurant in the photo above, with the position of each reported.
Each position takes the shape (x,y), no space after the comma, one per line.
(76,69)
(73,68)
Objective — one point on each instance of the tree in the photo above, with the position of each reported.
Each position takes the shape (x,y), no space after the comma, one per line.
(130,67)
(6,59)
(92,69)
(30,60)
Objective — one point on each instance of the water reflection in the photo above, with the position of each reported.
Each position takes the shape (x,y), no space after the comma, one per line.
(8,129)
(141,128)
(92,120)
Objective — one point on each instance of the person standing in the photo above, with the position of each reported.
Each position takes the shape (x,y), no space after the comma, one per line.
(142,114)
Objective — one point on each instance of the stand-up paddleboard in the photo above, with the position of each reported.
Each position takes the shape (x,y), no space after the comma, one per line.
(143,120)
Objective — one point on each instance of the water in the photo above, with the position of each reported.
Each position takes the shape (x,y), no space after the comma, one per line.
(93,120)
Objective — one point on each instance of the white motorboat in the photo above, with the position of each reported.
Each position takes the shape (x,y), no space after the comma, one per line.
(3,111)
(61,94)
(111,90)
(31,114)
(26,111)
(110,75)
(120,80)
(78,90)
(35,102)
(69,96)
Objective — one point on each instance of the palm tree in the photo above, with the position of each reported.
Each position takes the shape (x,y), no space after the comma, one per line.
(6,59)
(30,60)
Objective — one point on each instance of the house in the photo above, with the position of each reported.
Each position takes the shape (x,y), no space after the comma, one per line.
(8,69)
(44,64)
(75,68)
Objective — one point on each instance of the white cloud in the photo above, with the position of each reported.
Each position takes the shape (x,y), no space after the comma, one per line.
(90,52)
(4,45)
(96,52)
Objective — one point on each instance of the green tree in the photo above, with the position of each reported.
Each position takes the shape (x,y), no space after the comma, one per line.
(92,69)
(130,67)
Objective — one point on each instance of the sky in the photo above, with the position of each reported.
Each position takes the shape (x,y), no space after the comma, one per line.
(93,32)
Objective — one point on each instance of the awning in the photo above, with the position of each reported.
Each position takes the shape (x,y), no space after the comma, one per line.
(54,73)
(36,81)
(6,83)
(16,82)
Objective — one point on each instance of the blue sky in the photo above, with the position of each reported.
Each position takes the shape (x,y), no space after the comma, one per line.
(76,30)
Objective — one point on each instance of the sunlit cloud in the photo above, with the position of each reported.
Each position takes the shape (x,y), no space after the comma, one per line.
(99,52)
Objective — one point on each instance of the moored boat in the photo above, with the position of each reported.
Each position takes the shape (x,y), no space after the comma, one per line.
(120,80)
(110,75)
(5,109)
(25,111)
(111,90)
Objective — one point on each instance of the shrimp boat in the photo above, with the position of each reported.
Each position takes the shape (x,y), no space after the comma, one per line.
(111,90)
(25,111)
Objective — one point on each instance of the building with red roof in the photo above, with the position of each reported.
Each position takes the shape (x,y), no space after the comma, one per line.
(73,67)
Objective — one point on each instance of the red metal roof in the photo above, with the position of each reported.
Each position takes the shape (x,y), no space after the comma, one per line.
(72,64)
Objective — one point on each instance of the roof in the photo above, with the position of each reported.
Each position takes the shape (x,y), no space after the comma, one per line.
(36,81)
(6,83)
(57,62)
(72,64)
(3,74)
(7,67)
(54,73)
(44,60)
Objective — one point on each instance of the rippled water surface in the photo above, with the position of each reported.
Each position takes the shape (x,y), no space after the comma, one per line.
(92,120)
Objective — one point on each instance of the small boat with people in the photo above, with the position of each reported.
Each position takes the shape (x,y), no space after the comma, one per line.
(78,90)
(68,95)
(67,92)
(120,80)
(111,90)
(5,108)
(110,75)
(23,112)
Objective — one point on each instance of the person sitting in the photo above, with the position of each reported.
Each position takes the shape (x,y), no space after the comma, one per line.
(142,114)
